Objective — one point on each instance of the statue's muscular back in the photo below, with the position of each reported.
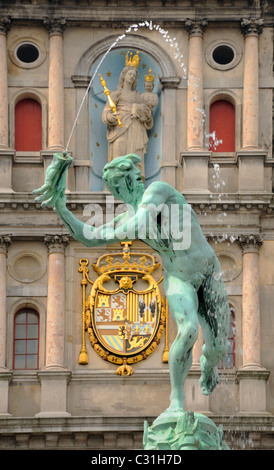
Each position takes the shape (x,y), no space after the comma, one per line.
(193,261)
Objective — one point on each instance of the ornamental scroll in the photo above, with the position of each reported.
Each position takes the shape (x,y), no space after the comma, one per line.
(124,324)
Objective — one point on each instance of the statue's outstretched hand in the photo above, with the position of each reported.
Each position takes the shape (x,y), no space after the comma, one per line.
(55,181)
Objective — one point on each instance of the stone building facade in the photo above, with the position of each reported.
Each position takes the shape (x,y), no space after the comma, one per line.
(215,64)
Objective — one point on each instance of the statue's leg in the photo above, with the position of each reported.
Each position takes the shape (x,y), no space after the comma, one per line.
(213,315)
(183,304)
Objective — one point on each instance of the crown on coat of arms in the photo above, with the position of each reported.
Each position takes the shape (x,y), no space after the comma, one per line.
(132,61)
(122,261)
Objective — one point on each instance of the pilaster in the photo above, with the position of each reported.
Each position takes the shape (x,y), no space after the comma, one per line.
(5,374)
(4,28)
(6,154)
(169,162)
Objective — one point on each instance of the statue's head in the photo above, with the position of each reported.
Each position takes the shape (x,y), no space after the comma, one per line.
(123,178)
(128,69)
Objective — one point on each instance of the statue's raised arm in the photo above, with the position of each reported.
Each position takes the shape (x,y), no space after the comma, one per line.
(52,194)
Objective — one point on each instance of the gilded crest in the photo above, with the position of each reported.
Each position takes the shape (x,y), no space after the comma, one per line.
(124,322)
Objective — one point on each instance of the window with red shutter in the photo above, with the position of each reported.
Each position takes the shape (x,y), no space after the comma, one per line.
(28,126)
(222,127)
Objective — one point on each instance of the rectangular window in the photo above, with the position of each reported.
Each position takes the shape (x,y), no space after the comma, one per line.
(26,339)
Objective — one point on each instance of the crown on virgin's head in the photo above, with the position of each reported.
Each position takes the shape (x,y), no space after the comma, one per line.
(149,77)
(132,61)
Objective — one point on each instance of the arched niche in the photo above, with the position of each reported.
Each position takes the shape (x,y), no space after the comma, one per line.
(152,56)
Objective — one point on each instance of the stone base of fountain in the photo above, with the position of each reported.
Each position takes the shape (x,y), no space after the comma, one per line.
(183,430)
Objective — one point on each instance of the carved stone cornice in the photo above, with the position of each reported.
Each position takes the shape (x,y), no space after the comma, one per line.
(4,24)
(56,243)
(196,27)
(250,243)
(55,25)
(252,26)
(5,241)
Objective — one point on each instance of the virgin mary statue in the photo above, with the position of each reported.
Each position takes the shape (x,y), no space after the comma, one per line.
(136,117)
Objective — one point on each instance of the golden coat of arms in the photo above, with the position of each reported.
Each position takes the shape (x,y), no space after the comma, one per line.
(124,322)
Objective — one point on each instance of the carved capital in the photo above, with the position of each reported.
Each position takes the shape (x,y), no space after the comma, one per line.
(252,26)
(250,243)
(196,28)
(4,24)
(56,243)
(5,241)
(55,25)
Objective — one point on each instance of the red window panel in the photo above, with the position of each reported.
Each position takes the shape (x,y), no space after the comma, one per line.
(222,127)
(26,339)
(28,125)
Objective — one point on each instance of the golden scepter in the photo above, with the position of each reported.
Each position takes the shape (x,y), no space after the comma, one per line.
(110,100)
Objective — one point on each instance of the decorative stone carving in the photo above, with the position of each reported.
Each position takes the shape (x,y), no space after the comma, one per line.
(5,241)
(55,25)
(4,24)
(252,26)
(250,242)
(56,242)
(196,28)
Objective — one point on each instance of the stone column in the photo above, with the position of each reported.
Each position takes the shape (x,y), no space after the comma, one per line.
(56,300)
(54,375)
(56,84)
(4,27)
(195,158)
(195,91)
(251,375)
(251,29)
(6,154)
(5,374)
(251,158)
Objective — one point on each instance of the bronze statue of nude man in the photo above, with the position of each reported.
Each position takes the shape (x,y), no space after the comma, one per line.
(192,274)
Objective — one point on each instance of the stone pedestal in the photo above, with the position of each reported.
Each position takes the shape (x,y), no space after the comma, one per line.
(53,393)
(252,389)
(6,162)
(251,171)
(183,430)
(195,171)
(5,378)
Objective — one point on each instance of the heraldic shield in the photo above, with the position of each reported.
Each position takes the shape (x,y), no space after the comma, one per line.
(124,323)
